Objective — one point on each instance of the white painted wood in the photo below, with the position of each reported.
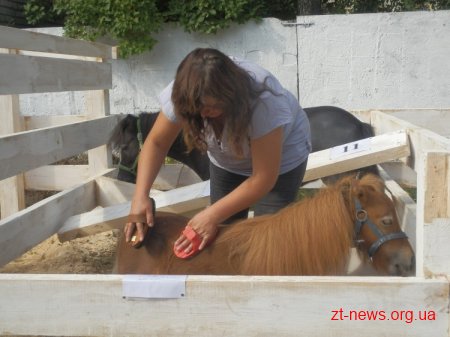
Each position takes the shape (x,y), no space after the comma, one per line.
(180,200)
(31,149)
(436,120)
(37,122)
(28,74)
(436,247)
(56,177)
(383,148)
(422,139)
(22,39)
(400,172)
(405,207)
(172,176)
(111,191)
(25,229)
(92,305)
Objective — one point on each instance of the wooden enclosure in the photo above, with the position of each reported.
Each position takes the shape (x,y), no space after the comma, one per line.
(409,148)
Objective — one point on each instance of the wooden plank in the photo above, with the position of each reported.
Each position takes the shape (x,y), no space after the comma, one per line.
(405,207)
(436,204)
(382,148)
(97,105)
(27,40)
(37,122)
(29,74)
(400,172)
(172,176)
(436,248)
(433,220)
(56,177)
(179,200)
(31,149)
(226,306)
(422,139)
(111,191)
(25,229)
(12,195)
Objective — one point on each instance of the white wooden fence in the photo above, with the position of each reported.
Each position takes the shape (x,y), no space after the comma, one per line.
(93,305)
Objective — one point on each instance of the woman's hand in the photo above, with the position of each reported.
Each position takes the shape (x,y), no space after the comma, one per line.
(140,218)
(205,225)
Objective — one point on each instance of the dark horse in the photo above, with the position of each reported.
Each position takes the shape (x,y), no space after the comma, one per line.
(330,126)
(310,237)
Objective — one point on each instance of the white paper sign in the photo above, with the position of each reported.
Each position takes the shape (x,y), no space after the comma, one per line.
(350,148)
(154,286)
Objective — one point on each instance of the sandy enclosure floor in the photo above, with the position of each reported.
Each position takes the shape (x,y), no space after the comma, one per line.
(90,255)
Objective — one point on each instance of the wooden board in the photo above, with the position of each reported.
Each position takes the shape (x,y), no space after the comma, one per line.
(25,229)
(92,305)
(422,139)
(385,147)
(28,74)
(180,200)
(14,38)
(37,122)
(56,177)
(32,149)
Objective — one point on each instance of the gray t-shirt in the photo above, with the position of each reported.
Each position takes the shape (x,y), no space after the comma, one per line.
(270,111)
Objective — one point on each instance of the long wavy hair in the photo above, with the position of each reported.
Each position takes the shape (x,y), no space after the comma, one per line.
(207,72)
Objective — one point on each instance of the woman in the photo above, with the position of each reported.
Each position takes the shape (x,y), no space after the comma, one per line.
(255,132)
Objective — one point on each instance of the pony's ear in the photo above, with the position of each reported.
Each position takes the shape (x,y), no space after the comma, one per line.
(362,191)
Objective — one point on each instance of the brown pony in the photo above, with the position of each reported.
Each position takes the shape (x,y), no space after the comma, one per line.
(310,237)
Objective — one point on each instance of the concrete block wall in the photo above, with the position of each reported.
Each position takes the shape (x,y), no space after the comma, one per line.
(363,61)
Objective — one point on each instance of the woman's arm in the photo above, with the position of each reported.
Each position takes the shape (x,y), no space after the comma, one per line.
(266,159)
(151,157)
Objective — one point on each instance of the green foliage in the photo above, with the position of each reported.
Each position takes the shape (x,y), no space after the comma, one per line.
(37,11)
(210,16)
(133,23)
(129,22)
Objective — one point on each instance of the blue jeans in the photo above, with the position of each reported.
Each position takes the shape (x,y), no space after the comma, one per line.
(282,194)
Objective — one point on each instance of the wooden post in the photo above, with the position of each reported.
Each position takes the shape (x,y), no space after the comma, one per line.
(12,195)
(433,216)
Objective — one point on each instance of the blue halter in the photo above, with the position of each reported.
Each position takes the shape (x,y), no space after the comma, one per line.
(362,219)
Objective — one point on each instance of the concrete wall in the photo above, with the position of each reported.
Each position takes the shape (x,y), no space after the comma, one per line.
(365,61)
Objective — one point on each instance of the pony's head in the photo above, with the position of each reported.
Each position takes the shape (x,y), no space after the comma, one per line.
(127,139)
(378,235)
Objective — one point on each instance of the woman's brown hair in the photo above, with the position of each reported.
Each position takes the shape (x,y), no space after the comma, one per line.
(207,72)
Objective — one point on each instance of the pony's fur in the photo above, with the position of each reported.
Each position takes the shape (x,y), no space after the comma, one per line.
(310,237)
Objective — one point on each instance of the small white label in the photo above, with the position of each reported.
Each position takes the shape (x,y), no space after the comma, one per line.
(154,286)
(350,148)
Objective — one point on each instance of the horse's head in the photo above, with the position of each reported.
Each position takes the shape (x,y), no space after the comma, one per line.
(127,139)
(378,235)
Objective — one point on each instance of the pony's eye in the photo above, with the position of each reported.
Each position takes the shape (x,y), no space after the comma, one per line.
(387,221)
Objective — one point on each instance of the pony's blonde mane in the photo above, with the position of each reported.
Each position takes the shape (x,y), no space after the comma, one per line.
(310,237)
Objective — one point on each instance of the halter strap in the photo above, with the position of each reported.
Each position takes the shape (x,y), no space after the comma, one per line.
(362,219)
(140,138)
